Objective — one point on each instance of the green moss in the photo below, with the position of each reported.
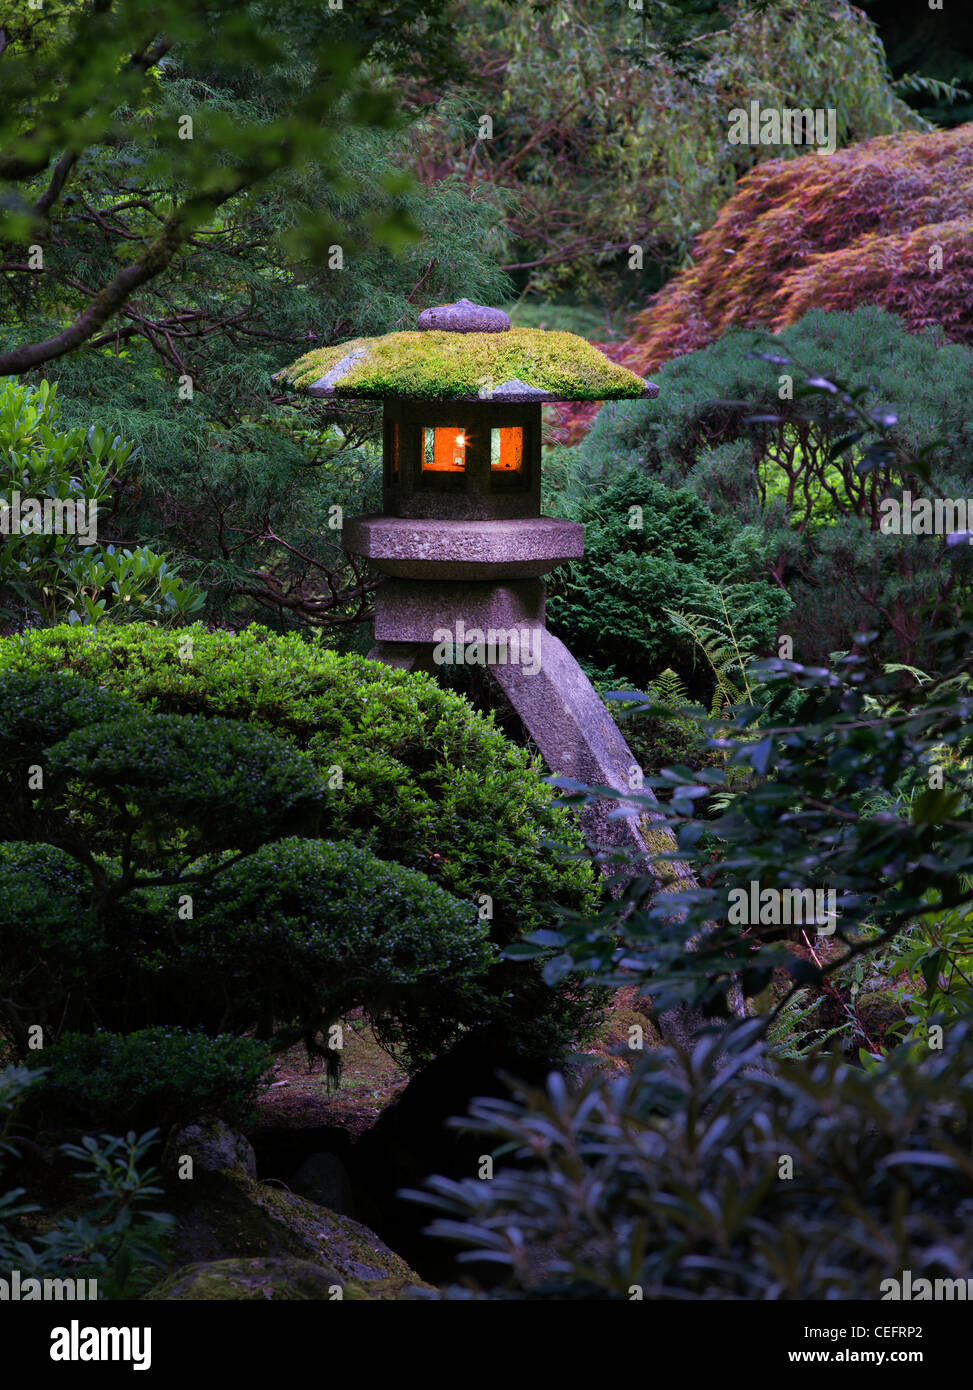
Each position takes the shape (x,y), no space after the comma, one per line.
(232,1280)
(619,1020)
(228,1218)
(658,837)
(260,1280)
(673,874)
(437,365)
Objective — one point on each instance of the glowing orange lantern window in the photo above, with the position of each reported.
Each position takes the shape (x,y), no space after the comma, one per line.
(507,450)
(444,450)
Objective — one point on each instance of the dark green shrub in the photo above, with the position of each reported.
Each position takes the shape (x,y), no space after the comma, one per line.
(131,819)
(52,946)
(648,548)
(40,708)
(233,785)
(423,779)
(810,521)
(90,816)
(297,935)
(89,771)
(671,1181)
(114,805)
(159,1076)
(285,941)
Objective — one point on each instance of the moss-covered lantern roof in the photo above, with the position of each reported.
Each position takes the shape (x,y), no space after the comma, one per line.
(465,352)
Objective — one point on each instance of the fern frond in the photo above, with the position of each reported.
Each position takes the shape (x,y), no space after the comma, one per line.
(781,1034)
(717,641)
(668,689)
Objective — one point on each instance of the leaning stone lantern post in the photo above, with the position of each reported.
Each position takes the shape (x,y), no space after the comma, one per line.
(461,542)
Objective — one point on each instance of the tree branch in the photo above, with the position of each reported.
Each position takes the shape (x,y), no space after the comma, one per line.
(53,191)
(108,301)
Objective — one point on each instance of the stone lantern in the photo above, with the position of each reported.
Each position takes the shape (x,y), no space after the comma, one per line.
(461,542)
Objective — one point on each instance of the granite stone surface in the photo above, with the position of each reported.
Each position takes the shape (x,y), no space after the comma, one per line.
(464,317)
(413,610)
(420,548)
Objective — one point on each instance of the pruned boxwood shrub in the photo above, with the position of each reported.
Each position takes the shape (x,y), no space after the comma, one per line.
(159,1076)
(126,908)
(233,785)
(283,942)
(41,707)
(424,780)
(90,771)
(292,938)
(407,770)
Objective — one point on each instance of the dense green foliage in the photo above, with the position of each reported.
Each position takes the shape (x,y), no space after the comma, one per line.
(743,433)
(296,936)
(743,1165)
(853,780)
(850,794)
(144,920)
(51,566)
(649,547)
(223,785)
(159,1075)
(423,780)
(137,794)
(286,942)
(609,122)
(286,220)
(664,726)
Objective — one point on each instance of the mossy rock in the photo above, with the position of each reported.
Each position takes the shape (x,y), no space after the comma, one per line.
(230,1218)
(436,365)
(674,875)
(629,1010)
(213,1147)
(621,1021)
(259,1279)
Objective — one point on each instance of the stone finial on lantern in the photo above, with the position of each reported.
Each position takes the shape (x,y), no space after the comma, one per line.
(465,317)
